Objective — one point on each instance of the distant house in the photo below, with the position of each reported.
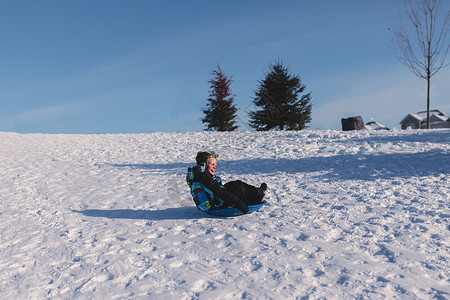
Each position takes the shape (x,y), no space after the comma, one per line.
(372,125)
(438,119)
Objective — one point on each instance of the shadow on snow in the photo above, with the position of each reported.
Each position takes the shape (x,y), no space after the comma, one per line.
(157,167)
(353,167)
(339,167)
(179,213)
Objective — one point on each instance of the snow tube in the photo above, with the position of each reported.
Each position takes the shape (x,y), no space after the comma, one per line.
(232,211)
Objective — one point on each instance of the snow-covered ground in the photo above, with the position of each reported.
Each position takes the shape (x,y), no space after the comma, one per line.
(350,215)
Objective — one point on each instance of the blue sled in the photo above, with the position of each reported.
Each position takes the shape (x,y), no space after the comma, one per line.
(232,211)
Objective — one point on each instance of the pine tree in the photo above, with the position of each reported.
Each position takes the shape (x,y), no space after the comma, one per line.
(282,105)
(220,112)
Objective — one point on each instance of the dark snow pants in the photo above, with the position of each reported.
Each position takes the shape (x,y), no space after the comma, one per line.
(243,191)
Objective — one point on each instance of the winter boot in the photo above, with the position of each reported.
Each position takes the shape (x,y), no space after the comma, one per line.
(261,192)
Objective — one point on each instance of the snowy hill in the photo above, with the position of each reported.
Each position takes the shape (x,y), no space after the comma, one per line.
(350,215)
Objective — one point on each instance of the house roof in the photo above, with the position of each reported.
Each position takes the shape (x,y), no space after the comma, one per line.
(412,116)
(375,126)
(438,118)
(435,116)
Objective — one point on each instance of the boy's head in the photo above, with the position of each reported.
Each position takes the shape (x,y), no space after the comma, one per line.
(208,158)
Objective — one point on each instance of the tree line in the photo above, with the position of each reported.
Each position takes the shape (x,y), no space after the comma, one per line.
(280,100)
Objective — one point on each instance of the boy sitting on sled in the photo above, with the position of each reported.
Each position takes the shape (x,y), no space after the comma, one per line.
(209,193)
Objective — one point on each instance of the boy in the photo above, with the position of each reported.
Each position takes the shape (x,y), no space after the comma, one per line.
(235,193)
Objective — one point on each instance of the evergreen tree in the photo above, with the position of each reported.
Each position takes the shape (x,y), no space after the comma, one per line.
(280,101)
(220,112)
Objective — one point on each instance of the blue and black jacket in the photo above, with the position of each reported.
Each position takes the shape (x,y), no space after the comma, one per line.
(208,191)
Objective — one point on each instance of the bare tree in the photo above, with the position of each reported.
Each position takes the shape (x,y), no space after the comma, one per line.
(424,48)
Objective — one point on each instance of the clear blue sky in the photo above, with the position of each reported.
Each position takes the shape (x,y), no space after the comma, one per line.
(143,66)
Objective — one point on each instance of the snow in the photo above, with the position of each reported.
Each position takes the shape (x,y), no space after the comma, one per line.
(360,214)
(375,126)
